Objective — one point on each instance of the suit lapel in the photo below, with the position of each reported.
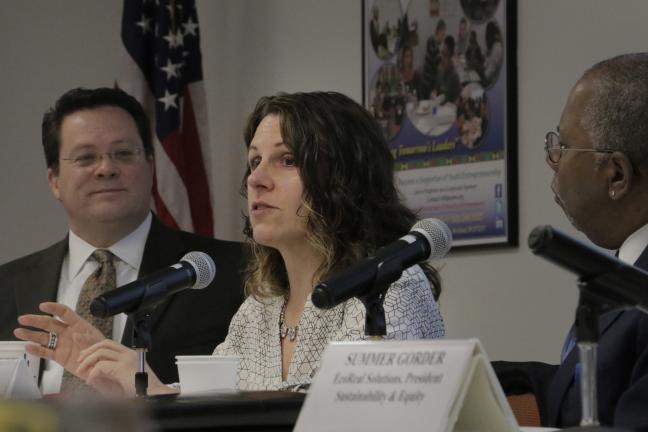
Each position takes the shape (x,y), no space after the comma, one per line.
(162,249)
(40,280)
(559,385)
(564,376)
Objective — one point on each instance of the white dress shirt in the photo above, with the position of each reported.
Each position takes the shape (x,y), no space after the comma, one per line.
(77,266)
(634,245)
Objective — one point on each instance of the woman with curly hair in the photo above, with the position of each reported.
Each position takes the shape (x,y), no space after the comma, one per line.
(321,196)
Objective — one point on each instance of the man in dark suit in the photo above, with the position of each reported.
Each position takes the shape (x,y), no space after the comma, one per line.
(600,159)
(99,154)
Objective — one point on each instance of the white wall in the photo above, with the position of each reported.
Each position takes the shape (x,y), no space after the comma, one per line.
(517,304)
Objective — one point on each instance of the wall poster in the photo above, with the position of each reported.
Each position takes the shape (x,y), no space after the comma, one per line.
(440,78)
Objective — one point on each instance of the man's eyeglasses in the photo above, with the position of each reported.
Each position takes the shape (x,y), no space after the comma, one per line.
(555,148)
(88,158)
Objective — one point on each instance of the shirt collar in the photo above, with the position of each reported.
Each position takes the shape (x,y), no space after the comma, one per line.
(129,249)
(634,245)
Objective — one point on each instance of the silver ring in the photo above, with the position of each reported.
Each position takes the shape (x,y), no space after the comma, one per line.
(53,340)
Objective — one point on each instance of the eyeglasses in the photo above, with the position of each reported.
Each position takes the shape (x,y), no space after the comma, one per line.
(555,148)
(122,156)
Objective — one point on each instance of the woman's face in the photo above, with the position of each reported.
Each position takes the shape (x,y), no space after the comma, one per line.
(274,189)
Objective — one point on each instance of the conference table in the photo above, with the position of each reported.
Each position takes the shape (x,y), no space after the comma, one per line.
(239,411)
(235,411)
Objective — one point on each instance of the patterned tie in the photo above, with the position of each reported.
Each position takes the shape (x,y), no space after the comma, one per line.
(100,281)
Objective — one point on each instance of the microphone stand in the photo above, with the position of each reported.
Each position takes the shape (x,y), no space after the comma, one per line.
(141,344)
(375,324)
(590,306)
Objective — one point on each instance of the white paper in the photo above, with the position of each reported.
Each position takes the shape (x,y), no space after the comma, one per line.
(16,381)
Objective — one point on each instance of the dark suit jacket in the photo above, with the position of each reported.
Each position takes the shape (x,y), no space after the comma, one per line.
(189,322)
(622,374)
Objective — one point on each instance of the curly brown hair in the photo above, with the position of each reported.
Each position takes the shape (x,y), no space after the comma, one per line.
(352,206)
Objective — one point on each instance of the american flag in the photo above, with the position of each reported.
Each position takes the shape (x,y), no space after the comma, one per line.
(162,69)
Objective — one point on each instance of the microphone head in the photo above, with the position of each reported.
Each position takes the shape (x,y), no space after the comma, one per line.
(438,235)
(204,266)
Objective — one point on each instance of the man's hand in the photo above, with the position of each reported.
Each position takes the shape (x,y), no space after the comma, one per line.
(73,335)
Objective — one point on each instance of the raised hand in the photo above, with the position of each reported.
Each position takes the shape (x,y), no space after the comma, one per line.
(73,334)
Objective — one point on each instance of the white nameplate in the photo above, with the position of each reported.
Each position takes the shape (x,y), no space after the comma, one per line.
(425,385)
(16,349)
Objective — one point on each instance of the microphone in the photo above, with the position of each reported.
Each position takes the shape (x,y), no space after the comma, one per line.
(429,239)
(624,284)
(195,270)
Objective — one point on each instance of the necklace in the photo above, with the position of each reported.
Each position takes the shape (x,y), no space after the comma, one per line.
(284,330)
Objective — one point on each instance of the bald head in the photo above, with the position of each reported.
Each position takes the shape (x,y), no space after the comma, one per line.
(604,193)
(615,114)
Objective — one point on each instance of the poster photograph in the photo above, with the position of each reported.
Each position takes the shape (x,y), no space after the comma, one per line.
(439,77)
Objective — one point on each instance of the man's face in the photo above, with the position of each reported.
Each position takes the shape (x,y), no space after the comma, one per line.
(579,184)
(108,191)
